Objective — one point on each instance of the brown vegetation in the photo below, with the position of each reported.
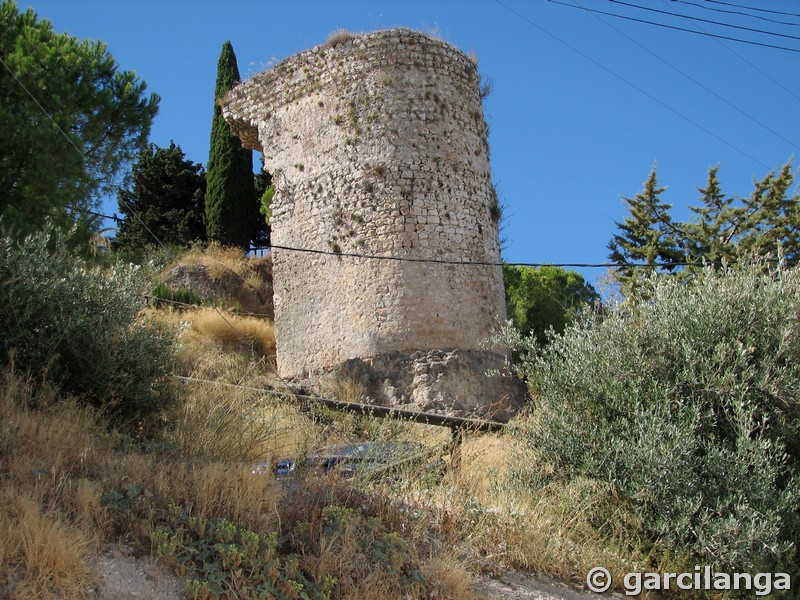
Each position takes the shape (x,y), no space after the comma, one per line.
(70,484)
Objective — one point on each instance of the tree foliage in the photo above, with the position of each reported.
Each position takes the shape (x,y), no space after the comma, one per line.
(723,228)
(82,328)
(544,298)
(232,206)
(646,236)
(70,121)
(682,405)
(265,189)
(165,202)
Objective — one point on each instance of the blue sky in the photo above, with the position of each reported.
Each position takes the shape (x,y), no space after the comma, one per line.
(583,105)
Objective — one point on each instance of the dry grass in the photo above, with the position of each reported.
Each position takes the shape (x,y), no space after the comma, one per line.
(58,463)
(230,278)
(340,36)
(449,576)
(41,553)
(218,260)
(223,261)
(221,423)
(234,420)
(484,469)
(562,531)
(229,332)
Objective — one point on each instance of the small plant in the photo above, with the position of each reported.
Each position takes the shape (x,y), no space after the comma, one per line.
(338,37)
(170,295)
(486,87)
(348,547)
(495,211)
(224,560)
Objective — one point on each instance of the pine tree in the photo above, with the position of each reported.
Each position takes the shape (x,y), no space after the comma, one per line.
(55,169)
(544,298)
(646,237)
(772,217)
(712,237)
(726,229)
(231,201)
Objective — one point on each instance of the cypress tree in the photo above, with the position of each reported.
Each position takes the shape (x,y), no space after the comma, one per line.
(230,196)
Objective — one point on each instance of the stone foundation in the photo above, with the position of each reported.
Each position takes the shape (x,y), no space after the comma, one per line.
(446,382)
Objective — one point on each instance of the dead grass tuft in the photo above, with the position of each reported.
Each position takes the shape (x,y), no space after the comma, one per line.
(230,332)
(218,260)
(42,556)
(222,490)
(340,36)
(448,577)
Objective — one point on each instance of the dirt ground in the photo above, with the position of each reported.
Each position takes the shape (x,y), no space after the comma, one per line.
(122,576)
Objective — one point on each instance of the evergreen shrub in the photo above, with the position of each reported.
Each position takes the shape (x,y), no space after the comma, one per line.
(81,327)
(684,405)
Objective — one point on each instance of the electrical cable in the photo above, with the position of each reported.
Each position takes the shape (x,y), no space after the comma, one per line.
(756,68)
(736,12)
(478,263)
(673,27)
(701,20)
(696,82)
(628,82)
(765,10)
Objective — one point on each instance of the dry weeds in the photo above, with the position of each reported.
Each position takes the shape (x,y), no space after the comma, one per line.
(58,462)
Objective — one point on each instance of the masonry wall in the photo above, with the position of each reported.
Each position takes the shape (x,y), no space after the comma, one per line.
(377,146)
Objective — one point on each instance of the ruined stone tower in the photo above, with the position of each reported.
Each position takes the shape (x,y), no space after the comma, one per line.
(377,145)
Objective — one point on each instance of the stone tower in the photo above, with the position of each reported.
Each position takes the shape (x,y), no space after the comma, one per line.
(377,145)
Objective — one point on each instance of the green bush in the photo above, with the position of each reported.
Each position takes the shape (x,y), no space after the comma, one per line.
(540,298)
(164,295)
(224,560)
(81,327)
(686,406)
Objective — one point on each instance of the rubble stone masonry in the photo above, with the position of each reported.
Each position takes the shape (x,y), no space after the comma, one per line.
(377,145)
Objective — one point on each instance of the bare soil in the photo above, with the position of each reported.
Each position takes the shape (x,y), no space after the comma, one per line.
(123,576)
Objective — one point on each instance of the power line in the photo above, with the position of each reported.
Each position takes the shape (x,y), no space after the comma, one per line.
(200,305)
(478,263)
(47,114)
(736,12)
(746,61)
(463,263)
(720,23)
(114,218)
(628,82)
(765,10)
(673,27)
(696,82)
